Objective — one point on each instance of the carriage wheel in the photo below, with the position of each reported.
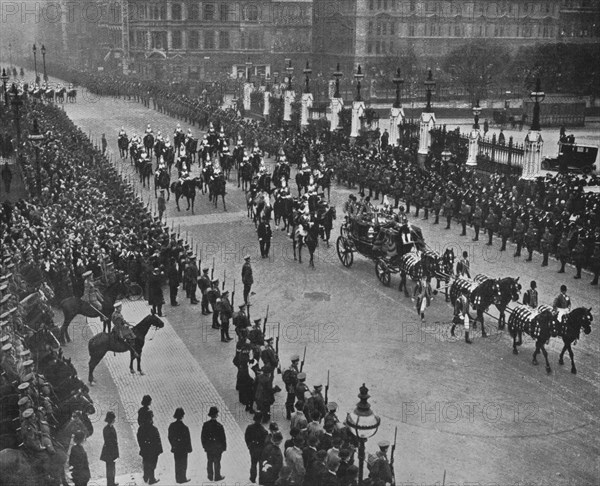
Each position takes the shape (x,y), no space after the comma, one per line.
(135,292)
(382,272)
(344,251)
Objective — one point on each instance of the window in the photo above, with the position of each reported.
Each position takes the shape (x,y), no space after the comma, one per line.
(163,12)
(391,46)
(411,30)
(209,39)
(251,13)
(370,28)
(371,4)
(384,28)
(378,4)
(176,39)
(224,40)
(457,30)
(176,11)
(140,39)
(413,6)
(193,39)
(378,47)
(194,12)
(369,48)
(159,40)
(209,12)
(131,38)
(225,13)
(255,40)
(385,4)
(378,28)
(392,28)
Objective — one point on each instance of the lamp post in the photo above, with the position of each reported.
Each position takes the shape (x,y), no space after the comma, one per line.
(337,103)
(290,70)
(307,72)
(363,424)
(429,87)
(307,97)
(4,77)
(358,76)
(398,82)
(248,69)
(37,139)
(396,112)
(44,61)
(37,79)
(10,54)
(537,97)
(337,74)
(476,113)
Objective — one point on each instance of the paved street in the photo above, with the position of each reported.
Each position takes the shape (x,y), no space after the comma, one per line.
(477,412)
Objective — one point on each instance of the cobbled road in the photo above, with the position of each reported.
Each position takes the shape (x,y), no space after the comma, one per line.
(476,413)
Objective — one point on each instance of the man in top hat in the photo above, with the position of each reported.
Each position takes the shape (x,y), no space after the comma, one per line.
(214,444)
(204,285)
(110,449)
(381,469)
(155,293)
(225,313)
(290,378)
(247,278)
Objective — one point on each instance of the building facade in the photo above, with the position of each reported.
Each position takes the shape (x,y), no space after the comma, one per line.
(366,31)
(202,39)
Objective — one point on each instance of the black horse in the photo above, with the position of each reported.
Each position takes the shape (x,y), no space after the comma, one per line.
(217,186)
(480,295)
(305,233)
(72,96)
(186,189)
(510,289)
(73,306)
(149,143)
(162,180)
(123,143)
(102,343)
(283,211)
(542,324)
(302,181)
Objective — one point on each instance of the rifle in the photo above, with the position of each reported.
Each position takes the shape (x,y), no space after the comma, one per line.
(277,348)
(327,389)
(233,294)
(178,230)
(212,272)
(265,322)
(303,358)
(224,277)
(392,456)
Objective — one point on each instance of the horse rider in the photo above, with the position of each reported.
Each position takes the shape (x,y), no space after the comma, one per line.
(122,329)
(562,303)
(122,132)
(91,294)
(148,129)
(32,439)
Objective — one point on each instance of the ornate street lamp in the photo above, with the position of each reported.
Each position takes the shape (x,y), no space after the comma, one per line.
(537,97)
(37,80)
(248,68)
(4,77)
(358,76)
(363,424)
(446,154)
(476,113)
(16,103)
(290,70)
(337,75)
(44,60)
(398,81)
(307,72)
(429,87)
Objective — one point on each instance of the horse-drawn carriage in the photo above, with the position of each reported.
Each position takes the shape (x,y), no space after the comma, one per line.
(379,238)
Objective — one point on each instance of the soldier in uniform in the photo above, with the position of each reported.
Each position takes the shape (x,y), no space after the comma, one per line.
(579,255)
(213,294)
(437,206)
(264,395)
(381,469)
(562,252)
(596,263)
(174,281)
(465,214)
(301,389)
(290,378)
(247,278)
(519,233)
(225,313)
(490,225)
(546,245)
(268,355)
(91,294)
(122,329)
(241,323)
(506,229)
(448,211)
(204,284)
(477,220)
(214,444)
(316,402)
(257,338)
(191,279)
(531,240)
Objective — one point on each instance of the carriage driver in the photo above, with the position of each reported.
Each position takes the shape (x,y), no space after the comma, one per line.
(122,329)
(91,294)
